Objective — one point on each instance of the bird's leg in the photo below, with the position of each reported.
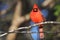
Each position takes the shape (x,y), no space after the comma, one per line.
(41,34)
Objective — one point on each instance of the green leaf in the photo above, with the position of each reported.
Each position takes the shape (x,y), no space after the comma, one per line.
(57,8)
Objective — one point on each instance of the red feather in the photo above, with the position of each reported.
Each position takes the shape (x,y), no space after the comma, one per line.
(36,15)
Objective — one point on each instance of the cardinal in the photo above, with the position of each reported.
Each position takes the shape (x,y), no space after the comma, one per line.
(37,17)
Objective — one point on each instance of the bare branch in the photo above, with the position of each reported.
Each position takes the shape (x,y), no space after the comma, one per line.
(14,31)
(46,3)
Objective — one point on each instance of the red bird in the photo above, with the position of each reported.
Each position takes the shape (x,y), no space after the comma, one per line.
(37,17)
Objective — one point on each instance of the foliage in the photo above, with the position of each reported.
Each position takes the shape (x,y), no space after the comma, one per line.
(57,8)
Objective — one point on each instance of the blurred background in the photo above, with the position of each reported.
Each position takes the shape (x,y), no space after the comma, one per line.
(16,13)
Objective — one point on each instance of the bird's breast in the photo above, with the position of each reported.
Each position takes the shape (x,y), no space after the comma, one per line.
(36,17)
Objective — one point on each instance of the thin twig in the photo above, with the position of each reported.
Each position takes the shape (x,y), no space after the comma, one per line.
(47,22)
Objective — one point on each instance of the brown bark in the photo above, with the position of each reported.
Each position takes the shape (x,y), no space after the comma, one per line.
(17,20)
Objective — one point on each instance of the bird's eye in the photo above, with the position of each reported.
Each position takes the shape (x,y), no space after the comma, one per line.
(35,10)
